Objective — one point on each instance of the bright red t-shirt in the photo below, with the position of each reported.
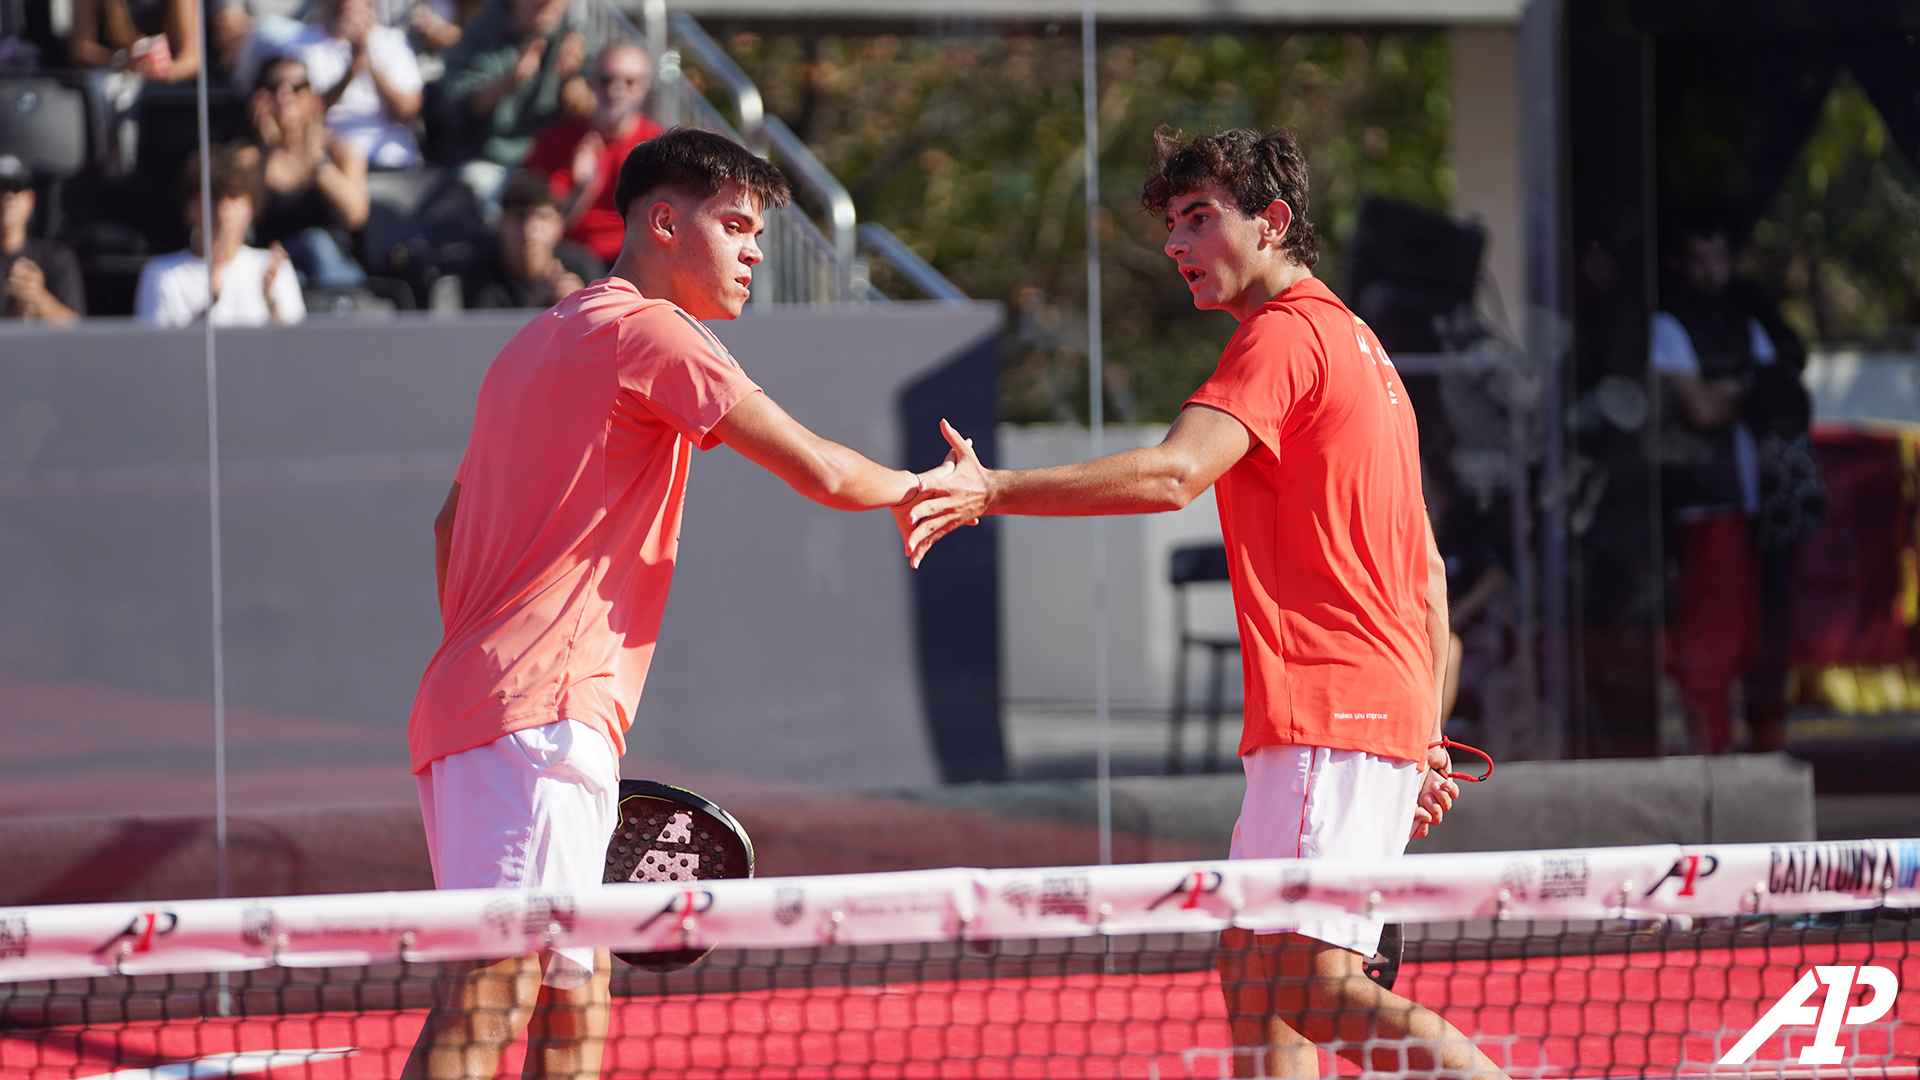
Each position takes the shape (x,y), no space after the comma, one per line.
(1326,532)
(601,230)
(569,518)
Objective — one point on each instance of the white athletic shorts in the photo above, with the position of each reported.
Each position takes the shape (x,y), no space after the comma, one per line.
(1309,802)
(530,810)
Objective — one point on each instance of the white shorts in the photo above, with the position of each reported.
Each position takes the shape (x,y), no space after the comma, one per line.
(530,810)
(1309,802)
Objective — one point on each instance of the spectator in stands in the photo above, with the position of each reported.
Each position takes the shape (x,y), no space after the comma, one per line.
(531,265)
(518,68)
(39,278)
(1736,417)
(314,181)
(367,79)
(157,39)
(251,287)
(582,157)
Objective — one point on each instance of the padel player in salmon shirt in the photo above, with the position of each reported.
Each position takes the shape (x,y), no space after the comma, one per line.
(555,550)
(1305,433)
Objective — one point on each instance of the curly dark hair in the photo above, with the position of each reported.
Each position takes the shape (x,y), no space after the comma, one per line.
(700,163)
(1256,168)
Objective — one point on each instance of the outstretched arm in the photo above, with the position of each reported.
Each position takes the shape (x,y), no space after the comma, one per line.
(820,469)
(1202,444)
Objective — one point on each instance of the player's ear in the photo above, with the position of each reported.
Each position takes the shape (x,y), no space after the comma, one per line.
(1274,221)
(661,220)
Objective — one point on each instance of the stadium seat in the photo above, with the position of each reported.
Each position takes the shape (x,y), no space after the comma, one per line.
(421,224)
(44,124)
(1191,565)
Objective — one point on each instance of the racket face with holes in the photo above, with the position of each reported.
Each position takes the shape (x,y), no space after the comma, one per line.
(1384,967)
(667,833)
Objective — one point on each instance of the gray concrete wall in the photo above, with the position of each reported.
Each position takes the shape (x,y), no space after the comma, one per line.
(1732,799)
(1046,586)
(1528,805)
(788,647)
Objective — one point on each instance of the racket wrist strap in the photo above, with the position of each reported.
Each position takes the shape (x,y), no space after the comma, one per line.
(1452,744)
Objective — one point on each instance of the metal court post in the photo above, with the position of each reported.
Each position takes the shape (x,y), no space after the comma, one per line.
(1096,422)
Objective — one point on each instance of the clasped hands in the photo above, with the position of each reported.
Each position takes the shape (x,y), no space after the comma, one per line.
(952,494)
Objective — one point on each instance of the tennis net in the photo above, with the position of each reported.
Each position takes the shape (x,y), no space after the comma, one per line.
(1785,960)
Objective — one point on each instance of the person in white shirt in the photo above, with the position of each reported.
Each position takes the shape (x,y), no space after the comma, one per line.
(367,77)
(251,286)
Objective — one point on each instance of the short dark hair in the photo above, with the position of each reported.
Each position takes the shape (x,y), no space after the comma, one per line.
(699,163)
(1687,222)
(233,175)
(1256,168)
(524,192)
(267,76)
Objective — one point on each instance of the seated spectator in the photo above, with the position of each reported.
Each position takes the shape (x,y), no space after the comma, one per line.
(39,279)
(251,287)
(367,79)
(315,183)
(157,39)
(531,265)
(582,158)
(517,69)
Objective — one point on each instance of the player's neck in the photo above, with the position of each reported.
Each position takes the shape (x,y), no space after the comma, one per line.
(655,280)
(1264,287)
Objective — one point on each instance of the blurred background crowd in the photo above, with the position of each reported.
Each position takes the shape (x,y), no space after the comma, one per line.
(367,154)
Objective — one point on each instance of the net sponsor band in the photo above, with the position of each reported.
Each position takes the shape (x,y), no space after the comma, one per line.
(936,905)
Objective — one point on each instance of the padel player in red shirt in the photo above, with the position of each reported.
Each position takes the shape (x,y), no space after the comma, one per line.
(554,553)
(1306,435)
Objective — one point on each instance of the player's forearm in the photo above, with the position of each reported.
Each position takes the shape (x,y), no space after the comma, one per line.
(1145,481)
(845,479)
(1439,633)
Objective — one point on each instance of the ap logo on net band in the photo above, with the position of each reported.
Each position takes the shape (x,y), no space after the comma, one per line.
(1792,1011)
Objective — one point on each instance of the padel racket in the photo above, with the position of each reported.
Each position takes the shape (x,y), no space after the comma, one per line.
(667,833)
(1384,967)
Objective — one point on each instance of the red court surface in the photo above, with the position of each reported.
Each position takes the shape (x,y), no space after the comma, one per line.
(1647,1014)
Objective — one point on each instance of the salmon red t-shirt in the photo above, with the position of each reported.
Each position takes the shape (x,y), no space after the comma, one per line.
(1326,532)
(569,518)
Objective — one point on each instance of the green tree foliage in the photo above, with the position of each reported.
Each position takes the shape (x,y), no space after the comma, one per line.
(971,150)
(1841,242)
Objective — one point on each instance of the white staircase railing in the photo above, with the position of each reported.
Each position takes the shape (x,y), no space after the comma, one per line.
(807,262)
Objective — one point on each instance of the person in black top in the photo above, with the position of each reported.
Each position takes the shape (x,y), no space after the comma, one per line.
(39,278)
(531,265)
(314,182)
(1739,482)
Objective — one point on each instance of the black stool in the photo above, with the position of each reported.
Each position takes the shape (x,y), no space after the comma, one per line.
(1189,565)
